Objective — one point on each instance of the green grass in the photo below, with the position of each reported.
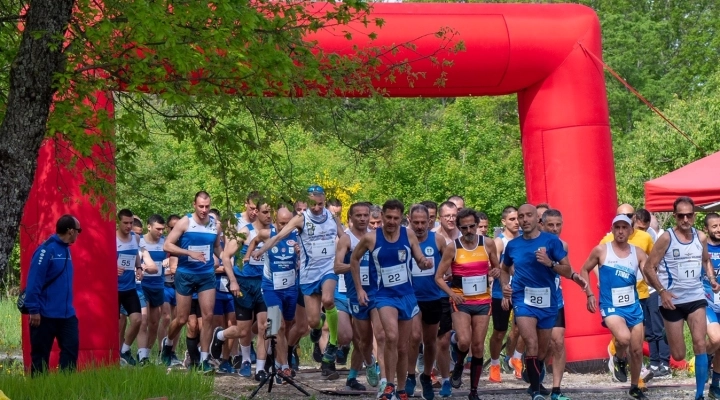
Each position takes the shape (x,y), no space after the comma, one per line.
(109,383)
(10,332)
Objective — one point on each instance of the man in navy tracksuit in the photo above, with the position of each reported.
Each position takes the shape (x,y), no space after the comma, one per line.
(48,298)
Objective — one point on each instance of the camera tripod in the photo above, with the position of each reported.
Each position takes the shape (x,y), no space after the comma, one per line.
(273,373)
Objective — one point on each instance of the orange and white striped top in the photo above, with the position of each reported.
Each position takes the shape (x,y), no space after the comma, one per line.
(470,272)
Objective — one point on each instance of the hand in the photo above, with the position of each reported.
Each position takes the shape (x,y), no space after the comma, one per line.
(715,286)
(121,271)
(542,257)
(580,281)
(362,297)
(34,320)
(591,306)
(139,273)
(257,255)
(506,303)
(426,264)
(507,291)
(166,263)
(666,299)
(457,299)
(197,255)
(235,289)
(494,273)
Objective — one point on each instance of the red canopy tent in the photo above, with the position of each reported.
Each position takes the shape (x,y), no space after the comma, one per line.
(699,180)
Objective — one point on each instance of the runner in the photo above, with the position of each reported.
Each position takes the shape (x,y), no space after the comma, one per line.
(168,307)
(458,200)
(358,216)
(501,316)
(195,240)
(390,249)
(153,283)
(432,210)
(128,264)
(245,285)
(317,232)
(532,289)
(425,325)
(712,228)
(375,217)
(224,311)
(684,253)
(469,264)
(483,224)
(618,263)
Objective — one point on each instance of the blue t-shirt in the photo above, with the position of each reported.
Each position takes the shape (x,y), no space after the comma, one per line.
(200,238)
(156,280)
(392,264)
(533,279)
(252,268)
(713,299)
(423,281)
(279,271)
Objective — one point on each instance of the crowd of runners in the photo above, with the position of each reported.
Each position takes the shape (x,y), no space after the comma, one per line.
(412,292)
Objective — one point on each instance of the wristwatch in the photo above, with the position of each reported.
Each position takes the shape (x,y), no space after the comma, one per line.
(661,290)
(553,264)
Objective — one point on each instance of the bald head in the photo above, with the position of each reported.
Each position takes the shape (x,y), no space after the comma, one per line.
(528,218)
(625,209)
(283,217)
(527,207)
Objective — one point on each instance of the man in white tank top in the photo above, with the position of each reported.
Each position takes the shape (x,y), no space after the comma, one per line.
(674,270)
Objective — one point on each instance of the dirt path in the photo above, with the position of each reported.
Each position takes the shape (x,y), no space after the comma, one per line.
(575,386)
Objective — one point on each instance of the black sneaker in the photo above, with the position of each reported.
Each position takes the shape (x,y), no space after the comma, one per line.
(315,334)
(328,371)
(342,355)
(542,390)
(144,362)
(317,354)
(216,344)
(353,384)
(636,393)
(127,358)
(330,353)
(456,375)
(620,370)
(261,375)
(237,362)
(473,395)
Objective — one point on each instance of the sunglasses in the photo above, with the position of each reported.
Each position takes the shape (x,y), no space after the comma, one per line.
(464,227)
(681,216)
(79,230)
(315,189)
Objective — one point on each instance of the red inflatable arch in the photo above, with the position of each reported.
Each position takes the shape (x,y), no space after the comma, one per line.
(539,52)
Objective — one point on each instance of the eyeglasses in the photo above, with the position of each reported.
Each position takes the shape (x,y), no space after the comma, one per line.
(79,230)
(464,227)
(316,189)
(684,216)
(449,216)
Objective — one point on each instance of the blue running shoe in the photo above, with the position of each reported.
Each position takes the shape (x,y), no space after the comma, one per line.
(446,389)
(245,369)
(410,384)
(226,367)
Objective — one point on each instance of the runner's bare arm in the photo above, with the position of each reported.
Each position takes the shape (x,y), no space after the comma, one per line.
(262,236)
(422,262)
(295,223)
(494,258)
(654,258)
(366,243)
(150,266)
(170,245)
(444,267)
(707,263)
(341,249)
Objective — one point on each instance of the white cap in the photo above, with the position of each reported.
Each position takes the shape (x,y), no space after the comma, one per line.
(623,218)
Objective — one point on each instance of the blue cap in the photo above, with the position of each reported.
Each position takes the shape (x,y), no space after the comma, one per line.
(316,189)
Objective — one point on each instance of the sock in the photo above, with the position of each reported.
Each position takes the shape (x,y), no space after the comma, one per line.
(284,366)
(495,362)
(715,379)
(701,372)
(124,348)
(445,380)
(353,374)
(517,355)
(143,353)
(556,390)
(259,366)
(221,336)
(168,342)
(331,316)
(461,356)
(203,356)
(383,380)
(192,344)
(245,353)
(476,367)
(533,369)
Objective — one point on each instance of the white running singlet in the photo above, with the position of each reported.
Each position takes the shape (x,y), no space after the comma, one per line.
(680,269)
(317,246)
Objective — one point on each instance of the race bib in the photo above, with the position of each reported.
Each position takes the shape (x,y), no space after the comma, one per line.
(689,270)
(716,299)
(623,296)
(365,276)
(284,279)
(323,248)
(200,249)
(393,276)
(224,284)
(474,285)
(126,261)
(537,297)
(342,287)
(416,271)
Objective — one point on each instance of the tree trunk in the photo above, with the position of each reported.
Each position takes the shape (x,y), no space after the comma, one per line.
(30,96)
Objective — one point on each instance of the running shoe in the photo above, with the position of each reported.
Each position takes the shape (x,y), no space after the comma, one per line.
(456,376)
(353,384)
(216,344)
(446,389)
(165,353)
(205,368)
(286,374)
(261,375)
(636,393)
(620,370)
(174,361)
(317,354)
(401,395)
(331,352)
(474,395)
(144,362)
(328,371)
(428,393)
(410,384)
(558,396)
(495,374)
(714,392)
(342,355)
(505,364)
(381,389)
(226,367)
(542,390)
(388,392)
(245,369)
(128,358)
(237,361)
(517,366)
(372,376)
(538,396)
